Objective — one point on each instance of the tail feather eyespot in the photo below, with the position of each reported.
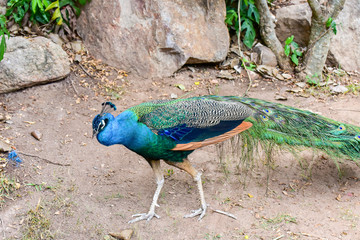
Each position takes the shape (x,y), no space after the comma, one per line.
(341,128)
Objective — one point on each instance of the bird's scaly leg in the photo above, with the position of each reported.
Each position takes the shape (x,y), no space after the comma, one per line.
(186,166)
(201,211)
(155,164)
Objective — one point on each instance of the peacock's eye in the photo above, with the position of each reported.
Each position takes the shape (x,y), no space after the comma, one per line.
(102,124)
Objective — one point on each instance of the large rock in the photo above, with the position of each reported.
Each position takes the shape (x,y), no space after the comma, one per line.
(294,20)
(264,55)
(31,61)
(3,7)
(344,46)
(154,38)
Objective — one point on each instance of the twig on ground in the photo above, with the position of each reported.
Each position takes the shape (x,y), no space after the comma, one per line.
(277,238)
(44,159)
(82,68)
(349,110)
(225,213)
(73,86)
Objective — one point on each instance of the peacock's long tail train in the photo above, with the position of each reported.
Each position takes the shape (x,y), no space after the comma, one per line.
(283,125)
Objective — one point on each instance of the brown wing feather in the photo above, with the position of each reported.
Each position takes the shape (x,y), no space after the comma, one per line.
(194,145)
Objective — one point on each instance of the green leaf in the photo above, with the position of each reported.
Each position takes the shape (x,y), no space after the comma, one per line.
(250,33)
(82,2)
(253,13)
(33,5)
(2,47)
(2,22)
(289,40)
(53,5)
(77,10)
(231,16)
(287,50)
(60,21)
(181,86)
(329,22)
(298,53)
(63,3)
(19,15)
(46,3)
(56,14)
(294,45)
(251,67)
(333,26)
(295,59)
(40,5)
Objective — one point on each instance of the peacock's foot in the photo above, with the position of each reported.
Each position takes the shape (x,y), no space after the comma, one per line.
(201,211)
(144,216)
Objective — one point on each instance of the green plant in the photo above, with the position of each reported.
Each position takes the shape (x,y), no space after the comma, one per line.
(354,88)
(248,65)
(277,220)
(7,186)
(37,225)
(18,8)
(3,31)
(212,236)
(38,11)
(60,4)
(330,23)
(169,172)
(292,48)
(249,16)
(39,187)
(313,80)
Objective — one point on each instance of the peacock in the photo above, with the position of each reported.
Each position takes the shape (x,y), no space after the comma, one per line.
(170,130)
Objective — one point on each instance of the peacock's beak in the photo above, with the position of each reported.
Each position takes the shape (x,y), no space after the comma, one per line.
(95,132)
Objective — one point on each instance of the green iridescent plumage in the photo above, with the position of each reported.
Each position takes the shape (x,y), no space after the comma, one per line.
(273,123)
(282,124)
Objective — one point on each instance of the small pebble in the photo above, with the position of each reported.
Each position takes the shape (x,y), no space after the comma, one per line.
(280,97)
(301,84)
(4,147)
(123,235)
(338,89)
(36,134)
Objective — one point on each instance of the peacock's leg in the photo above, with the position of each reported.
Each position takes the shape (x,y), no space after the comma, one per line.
(155,164)
(201,211)
(186,166)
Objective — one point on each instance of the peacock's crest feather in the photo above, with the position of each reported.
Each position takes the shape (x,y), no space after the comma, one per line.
(98,121)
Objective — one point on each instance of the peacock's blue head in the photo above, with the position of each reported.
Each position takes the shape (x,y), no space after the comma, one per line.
(101,120)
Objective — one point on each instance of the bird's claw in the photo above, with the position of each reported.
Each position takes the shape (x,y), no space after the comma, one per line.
(143,216)
(201,211)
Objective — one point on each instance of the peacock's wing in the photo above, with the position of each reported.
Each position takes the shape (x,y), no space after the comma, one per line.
(193,119)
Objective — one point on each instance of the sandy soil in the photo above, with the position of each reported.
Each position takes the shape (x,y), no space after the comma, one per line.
(104,186)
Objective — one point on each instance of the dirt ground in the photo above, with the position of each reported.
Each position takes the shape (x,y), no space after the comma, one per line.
(103,186)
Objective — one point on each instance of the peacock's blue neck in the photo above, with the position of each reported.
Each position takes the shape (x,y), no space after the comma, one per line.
(126,130)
